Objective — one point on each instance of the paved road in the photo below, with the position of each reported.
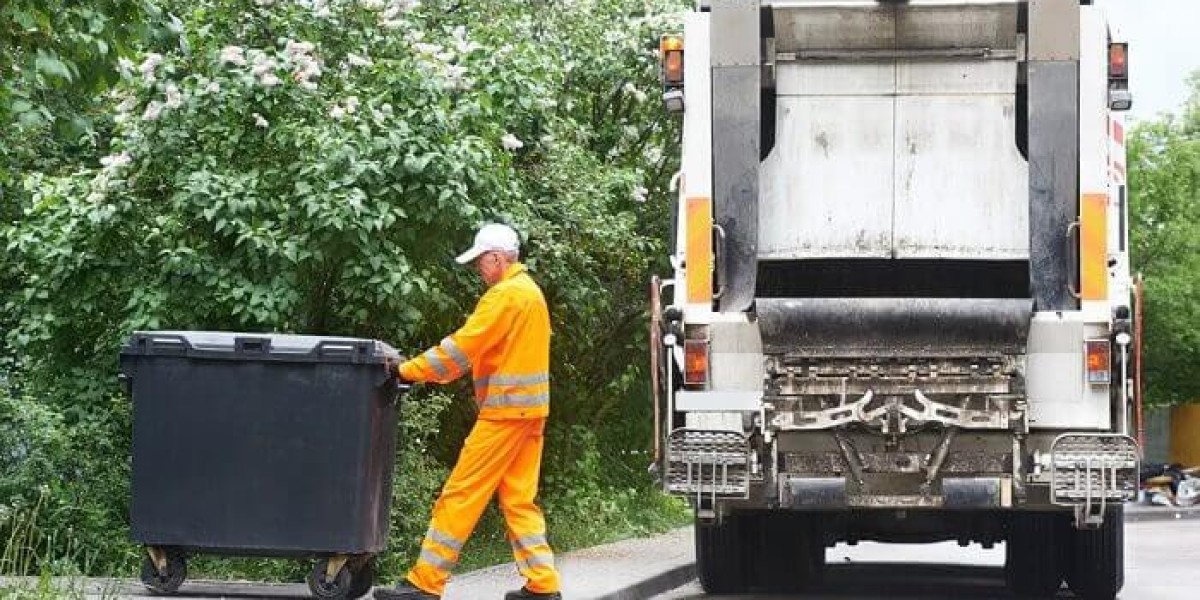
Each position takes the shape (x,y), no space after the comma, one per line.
(1161,562)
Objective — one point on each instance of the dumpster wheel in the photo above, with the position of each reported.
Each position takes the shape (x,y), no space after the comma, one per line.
(163,570)
(362,578)
(337,586)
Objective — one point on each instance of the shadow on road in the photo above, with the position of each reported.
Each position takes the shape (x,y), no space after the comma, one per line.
(873,581)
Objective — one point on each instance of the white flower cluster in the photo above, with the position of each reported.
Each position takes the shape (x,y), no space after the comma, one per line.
(148,66)
(174,96)
(355,60)
(346,107)
(511,142)
(263,68)
(124,109)
(462,44)
(233,55)
(391,12)
(305,66)
(113,162)
(297,57)
(639,193)
(446,62)
(319,8)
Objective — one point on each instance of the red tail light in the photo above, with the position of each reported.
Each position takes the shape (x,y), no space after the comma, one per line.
(1118,61)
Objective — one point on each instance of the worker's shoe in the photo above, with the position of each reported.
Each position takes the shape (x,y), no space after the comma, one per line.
(404,591)
(525,594)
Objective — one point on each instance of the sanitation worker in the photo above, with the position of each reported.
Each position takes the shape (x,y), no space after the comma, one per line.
(505,346)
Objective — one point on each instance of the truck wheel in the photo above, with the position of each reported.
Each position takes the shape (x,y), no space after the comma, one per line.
(783,547)
(1034,553)
(1097,567)
(168,582)
(325,588)
(720,562)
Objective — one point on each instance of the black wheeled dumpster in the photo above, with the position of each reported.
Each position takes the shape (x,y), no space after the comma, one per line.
(261,445)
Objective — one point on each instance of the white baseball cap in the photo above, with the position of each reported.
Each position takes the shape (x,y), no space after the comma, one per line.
(491,237)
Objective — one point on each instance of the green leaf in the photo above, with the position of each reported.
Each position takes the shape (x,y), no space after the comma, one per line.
(51,65)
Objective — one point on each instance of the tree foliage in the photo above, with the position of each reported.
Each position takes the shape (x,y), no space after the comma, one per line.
(312,166)
(1164,187)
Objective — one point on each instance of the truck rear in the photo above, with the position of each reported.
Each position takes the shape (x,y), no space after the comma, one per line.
(900,307)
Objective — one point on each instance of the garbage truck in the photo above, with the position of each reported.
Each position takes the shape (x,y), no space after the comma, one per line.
(900,301)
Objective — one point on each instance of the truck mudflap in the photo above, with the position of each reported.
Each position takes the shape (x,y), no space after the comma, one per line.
(1089,471)
(894,326)
(708,465)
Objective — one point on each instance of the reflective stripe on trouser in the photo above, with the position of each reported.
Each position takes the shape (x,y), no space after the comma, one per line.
(501,457)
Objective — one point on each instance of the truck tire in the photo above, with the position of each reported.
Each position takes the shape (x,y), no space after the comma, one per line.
(1035,553)
(1097,567)
(775,552)
(720,563)
(784,548)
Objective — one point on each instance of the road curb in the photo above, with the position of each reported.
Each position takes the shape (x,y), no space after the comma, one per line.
(652,586)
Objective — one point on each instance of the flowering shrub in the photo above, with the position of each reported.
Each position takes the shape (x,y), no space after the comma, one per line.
(314,165)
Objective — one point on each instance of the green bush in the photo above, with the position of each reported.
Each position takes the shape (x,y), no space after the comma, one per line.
(313,167)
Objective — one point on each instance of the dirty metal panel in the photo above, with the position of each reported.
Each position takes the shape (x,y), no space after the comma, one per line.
(1053,180)
(827,186)
(961,183)
(956,25)
(865,27)
(736,133)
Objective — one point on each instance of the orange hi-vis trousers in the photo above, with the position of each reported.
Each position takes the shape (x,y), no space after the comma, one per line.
(503,456)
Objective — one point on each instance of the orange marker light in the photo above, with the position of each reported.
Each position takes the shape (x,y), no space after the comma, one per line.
(671,51)
(1099,360)
(695,362)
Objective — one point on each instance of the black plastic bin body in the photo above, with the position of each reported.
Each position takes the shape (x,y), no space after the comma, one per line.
(260,445)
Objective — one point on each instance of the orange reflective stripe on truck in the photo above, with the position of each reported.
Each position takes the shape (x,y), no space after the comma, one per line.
(699,250)
(1093,247)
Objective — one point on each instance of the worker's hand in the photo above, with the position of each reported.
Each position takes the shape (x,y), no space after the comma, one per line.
(392,366)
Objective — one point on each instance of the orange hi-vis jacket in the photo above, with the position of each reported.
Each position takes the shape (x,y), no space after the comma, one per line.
(505,344)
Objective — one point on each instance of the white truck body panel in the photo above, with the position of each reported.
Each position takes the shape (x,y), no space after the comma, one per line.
(867,152)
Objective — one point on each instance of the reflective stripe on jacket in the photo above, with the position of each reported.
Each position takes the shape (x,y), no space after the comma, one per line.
(505,344)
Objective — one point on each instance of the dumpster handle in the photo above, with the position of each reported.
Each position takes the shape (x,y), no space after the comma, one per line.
(252,345)
(330,348)
(169,343)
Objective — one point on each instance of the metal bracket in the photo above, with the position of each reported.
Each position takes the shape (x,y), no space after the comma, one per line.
(930,411)
(334,565)
(159,557)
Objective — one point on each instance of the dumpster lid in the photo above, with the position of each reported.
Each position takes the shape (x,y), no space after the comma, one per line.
(258,346)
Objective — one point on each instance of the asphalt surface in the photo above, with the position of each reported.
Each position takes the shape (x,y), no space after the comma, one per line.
(1161,561)
(628,570)
(1162,553)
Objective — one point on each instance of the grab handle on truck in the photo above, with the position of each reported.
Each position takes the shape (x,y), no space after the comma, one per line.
(719,260)
(1073,262)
